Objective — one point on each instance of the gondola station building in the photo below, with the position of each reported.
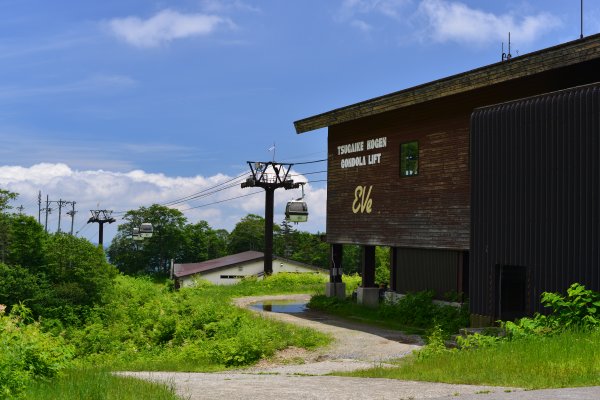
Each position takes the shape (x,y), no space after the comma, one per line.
(484,183)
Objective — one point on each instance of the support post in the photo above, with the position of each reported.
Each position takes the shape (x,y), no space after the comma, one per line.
(368,293)
(368,266)
(335,287)
(269,204)
(393,268)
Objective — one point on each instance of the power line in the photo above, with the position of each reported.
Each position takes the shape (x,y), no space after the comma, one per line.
(310,162)
(194,195)
(309,173)
(198,196)
(228,184)
(220,201)
(320,180)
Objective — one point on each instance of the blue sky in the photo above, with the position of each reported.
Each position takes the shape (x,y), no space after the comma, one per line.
(119,104)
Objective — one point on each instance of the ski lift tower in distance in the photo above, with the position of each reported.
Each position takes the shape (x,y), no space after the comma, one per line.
(269,176)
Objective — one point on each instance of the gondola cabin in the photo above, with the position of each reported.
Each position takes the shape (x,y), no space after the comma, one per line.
(146,230)
(296,211)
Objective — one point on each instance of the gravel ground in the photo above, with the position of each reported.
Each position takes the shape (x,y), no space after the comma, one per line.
(298,374)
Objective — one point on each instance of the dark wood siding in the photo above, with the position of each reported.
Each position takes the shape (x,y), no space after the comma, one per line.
(427,210)
(535,195)
(424,269)
(430,210)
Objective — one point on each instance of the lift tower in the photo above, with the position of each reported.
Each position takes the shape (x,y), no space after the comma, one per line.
(269,176)
(101,217)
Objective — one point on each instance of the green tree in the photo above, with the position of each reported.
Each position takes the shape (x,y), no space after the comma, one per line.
(79,274)
(382,265)
(26,239)
(248,234)
(19,285)
(351,259)
(152,255)
(74,277)
(201,242)
(217,244)
(5,198)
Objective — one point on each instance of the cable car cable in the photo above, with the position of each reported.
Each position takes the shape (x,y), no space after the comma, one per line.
(221,201)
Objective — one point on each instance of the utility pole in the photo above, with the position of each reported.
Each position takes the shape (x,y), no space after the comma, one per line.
(60,204)
(47,209)
(269,176)
(72,215)
(101,217)
(40,207)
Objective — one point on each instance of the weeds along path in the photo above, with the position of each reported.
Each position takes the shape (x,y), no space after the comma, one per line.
(299,374)
(355,345)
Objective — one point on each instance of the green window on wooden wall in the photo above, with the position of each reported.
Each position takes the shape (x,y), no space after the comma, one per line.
(409,158)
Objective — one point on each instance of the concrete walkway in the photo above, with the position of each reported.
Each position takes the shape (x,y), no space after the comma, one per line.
(300,374)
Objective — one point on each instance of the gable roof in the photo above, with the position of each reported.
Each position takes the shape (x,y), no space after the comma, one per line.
(217,263)
(181,270)
(545,60)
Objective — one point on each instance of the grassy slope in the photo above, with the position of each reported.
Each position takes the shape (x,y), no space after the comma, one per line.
(97,385)
(565,360)
(147,327)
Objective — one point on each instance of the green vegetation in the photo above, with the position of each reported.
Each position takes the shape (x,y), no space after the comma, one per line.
(414,313)
(195,329)
(145,325)
(92,384)
(27,353)
(67,319)
(561,349)
(64,309)
(564,360)
(62,283)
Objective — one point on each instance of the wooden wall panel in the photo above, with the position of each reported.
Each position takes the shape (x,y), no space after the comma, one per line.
(428,210)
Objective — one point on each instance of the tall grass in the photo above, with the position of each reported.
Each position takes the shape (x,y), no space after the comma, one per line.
(414,313)
(283,283)
(90,384)
(568,359)
(148,326)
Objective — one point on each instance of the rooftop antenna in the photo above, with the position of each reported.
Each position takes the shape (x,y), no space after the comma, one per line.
(506,56)
(581,19)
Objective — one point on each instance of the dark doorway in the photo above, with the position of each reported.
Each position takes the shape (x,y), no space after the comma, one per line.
(511,289)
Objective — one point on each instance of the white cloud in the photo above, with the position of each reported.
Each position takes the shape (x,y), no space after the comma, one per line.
(455,21)
(222,6)
(390,8)
(165,26)
(123,191)
(444,20)
(361,25)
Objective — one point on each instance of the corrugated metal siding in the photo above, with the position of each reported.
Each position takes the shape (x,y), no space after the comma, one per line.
(534,198)
(424,269)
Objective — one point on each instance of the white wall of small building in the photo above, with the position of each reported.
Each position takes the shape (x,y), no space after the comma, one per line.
(234,274)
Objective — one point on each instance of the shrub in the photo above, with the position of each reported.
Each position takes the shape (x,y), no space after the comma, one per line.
(416,310)
(26,352)
(435,344)
(579,309)
(146,324)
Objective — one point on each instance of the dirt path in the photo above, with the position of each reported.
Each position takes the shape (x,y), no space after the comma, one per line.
(298,374)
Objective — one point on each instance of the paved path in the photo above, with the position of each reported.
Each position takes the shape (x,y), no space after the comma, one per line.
(357,346)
